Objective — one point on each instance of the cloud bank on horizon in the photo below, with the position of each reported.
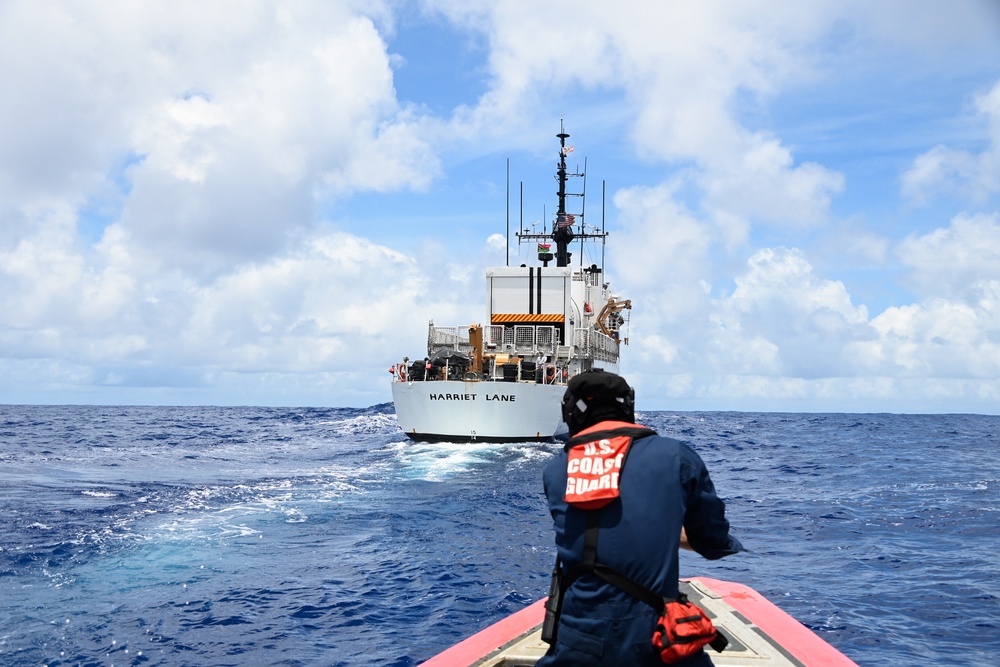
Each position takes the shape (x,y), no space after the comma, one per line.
(264,202)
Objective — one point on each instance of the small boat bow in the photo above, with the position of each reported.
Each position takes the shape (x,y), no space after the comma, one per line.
(759,633)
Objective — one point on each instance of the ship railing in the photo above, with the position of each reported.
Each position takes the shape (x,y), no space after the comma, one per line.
(595,344)
(589,278)
(454,338)
(523,340)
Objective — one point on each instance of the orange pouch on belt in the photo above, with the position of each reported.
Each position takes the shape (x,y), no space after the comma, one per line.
(683,629)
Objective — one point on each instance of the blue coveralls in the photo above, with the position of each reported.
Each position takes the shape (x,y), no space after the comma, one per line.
(664,485)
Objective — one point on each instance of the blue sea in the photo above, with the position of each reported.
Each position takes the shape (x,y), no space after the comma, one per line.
(261,536)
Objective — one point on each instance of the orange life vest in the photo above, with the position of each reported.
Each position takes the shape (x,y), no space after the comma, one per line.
(596,456)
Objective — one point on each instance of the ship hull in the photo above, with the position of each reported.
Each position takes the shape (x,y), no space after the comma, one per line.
(478,411)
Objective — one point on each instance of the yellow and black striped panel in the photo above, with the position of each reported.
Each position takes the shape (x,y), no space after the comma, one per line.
(528,318)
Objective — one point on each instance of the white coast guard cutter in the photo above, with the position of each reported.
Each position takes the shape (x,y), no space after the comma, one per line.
(504,382)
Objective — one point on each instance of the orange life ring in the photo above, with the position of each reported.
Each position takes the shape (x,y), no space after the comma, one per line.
(550,374)
(402,372)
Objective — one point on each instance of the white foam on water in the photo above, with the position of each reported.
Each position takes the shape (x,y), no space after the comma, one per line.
(240,511)
(99,494)
(365,424)
(440,461)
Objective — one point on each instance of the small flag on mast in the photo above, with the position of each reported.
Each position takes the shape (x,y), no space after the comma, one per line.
(567,220)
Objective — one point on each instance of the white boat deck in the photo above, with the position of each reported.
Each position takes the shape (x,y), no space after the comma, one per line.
(759,634)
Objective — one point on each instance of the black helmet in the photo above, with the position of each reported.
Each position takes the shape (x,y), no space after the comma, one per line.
(594,396)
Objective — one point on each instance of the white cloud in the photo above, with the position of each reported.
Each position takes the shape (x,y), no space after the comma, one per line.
(235,120)
(942,338)
(210,135)
(780,320)
(784,320)
(661,244)
(764,185)
(177,140)
(973,175)
(951,261)
(337,305)
(850,244)
(681,70)
(659,259)
(788,339)
(954,330)
(339,300)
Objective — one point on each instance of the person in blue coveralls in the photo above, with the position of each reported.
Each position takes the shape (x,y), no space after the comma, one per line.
(637,515)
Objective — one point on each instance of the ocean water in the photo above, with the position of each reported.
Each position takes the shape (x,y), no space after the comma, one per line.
(259,536)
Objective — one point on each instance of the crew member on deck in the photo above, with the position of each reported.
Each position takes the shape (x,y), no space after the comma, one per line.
(635,520)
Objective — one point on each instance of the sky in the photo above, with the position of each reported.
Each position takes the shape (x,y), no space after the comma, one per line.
(252,202)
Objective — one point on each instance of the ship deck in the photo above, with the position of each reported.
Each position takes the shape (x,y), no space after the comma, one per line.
(759,634)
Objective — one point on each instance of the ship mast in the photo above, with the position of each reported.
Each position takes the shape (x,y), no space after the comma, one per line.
(562,233)
(563,227)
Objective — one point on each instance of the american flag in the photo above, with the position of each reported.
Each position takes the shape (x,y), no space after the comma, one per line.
(567,220)
(566,150)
